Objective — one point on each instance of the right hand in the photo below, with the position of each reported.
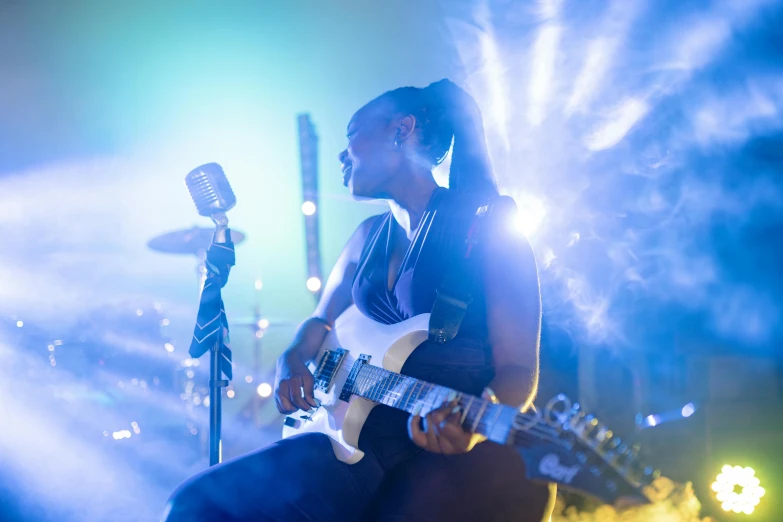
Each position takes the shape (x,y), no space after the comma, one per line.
(293,384)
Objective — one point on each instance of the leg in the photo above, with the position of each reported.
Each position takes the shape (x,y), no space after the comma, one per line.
(296,479)
(486,484)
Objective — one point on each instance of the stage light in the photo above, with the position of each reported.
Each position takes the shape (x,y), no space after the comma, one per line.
(230,394)
(530,214)
(165,322)
(264,389)
(248,379)
(169,347)
(19,324)
(139,312)
(313,284)
(308,208)
(258,284)
(738,489)
(263,323)
(688,409)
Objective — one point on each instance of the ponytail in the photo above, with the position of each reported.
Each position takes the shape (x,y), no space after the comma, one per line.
(449,118)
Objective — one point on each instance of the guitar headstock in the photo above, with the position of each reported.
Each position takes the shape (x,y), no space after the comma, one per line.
(584,455)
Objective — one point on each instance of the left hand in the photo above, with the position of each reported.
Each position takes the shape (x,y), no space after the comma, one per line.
(442,432)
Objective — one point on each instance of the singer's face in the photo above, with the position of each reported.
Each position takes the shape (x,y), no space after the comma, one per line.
(370,157)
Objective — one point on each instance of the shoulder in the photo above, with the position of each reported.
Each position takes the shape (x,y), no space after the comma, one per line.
(365,230)
(371,223)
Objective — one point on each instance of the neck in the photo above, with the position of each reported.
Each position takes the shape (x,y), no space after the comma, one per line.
(409,202)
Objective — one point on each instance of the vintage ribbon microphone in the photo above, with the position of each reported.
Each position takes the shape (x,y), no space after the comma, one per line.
(212,194)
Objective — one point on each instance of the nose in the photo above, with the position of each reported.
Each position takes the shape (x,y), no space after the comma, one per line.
(343,156)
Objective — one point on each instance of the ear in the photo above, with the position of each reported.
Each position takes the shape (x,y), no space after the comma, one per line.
(405,128)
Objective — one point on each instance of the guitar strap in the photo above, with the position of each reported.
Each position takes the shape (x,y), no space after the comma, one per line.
(455,292)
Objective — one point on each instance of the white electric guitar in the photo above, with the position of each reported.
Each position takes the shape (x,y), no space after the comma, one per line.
(358,367)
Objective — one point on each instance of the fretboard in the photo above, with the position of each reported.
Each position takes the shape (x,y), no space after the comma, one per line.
(494,421)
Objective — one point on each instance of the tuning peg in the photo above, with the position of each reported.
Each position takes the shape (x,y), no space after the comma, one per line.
(649,475)
(576,420)
(619,455)
(603,437)
(613,443)
(588,425)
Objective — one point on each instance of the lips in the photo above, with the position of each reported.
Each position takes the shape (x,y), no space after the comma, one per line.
(347,169)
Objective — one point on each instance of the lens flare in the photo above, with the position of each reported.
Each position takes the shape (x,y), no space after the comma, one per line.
(738,489)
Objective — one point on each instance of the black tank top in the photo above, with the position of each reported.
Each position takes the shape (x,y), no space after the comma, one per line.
(437,243)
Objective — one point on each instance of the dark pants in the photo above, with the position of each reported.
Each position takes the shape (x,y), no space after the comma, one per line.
(300,479)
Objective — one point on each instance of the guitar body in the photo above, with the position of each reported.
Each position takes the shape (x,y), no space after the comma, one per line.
(387,346)
(358,367)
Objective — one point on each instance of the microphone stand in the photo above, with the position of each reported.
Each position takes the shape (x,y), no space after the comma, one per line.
(215,381)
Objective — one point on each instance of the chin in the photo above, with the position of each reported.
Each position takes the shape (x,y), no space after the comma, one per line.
(356,190)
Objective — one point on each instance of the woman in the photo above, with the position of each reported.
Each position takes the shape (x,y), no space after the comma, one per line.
(414,469)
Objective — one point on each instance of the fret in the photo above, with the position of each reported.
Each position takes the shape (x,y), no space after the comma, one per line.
(394,395)
(386,385)
(441,394)
(365,380)
(478,416)
(491,426)
(378,384)
(406,392)
(467,409)
(355,386)
(458,398)
(431,397)
(409,394)
(370,382)
(417,394)
(412,396)
(396,382)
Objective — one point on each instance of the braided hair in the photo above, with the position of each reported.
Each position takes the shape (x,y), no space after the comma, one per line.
(446,114)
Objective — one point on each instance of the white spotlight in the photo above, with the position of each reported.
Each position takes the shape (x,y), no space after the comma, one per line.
(530,215)
(264,389)
(313,284)
(308,208)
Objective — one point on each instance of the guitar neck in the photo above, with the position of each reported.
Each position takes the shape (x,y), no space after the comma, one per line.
(497,422)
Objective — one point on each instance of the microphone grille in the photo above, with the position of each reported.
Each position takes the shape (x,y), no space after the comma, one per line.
(210,190)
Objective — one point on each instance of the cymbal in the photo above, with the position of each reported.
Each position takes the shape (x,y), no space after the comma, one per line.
(188,241)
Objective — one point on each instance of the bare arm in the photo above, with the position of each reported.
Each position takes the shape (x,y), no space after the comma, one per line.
(293,380)
(513,303)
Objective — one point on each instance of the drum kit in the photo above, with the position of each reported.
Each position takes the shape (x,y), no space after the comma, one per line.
(123,363)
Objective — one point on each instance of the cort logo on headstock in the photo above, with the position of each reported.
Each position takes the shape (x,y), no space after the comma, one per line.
(550,466)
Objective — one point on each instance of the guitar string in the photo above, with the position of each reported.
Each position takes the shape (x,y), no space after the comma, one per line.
(375,391)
